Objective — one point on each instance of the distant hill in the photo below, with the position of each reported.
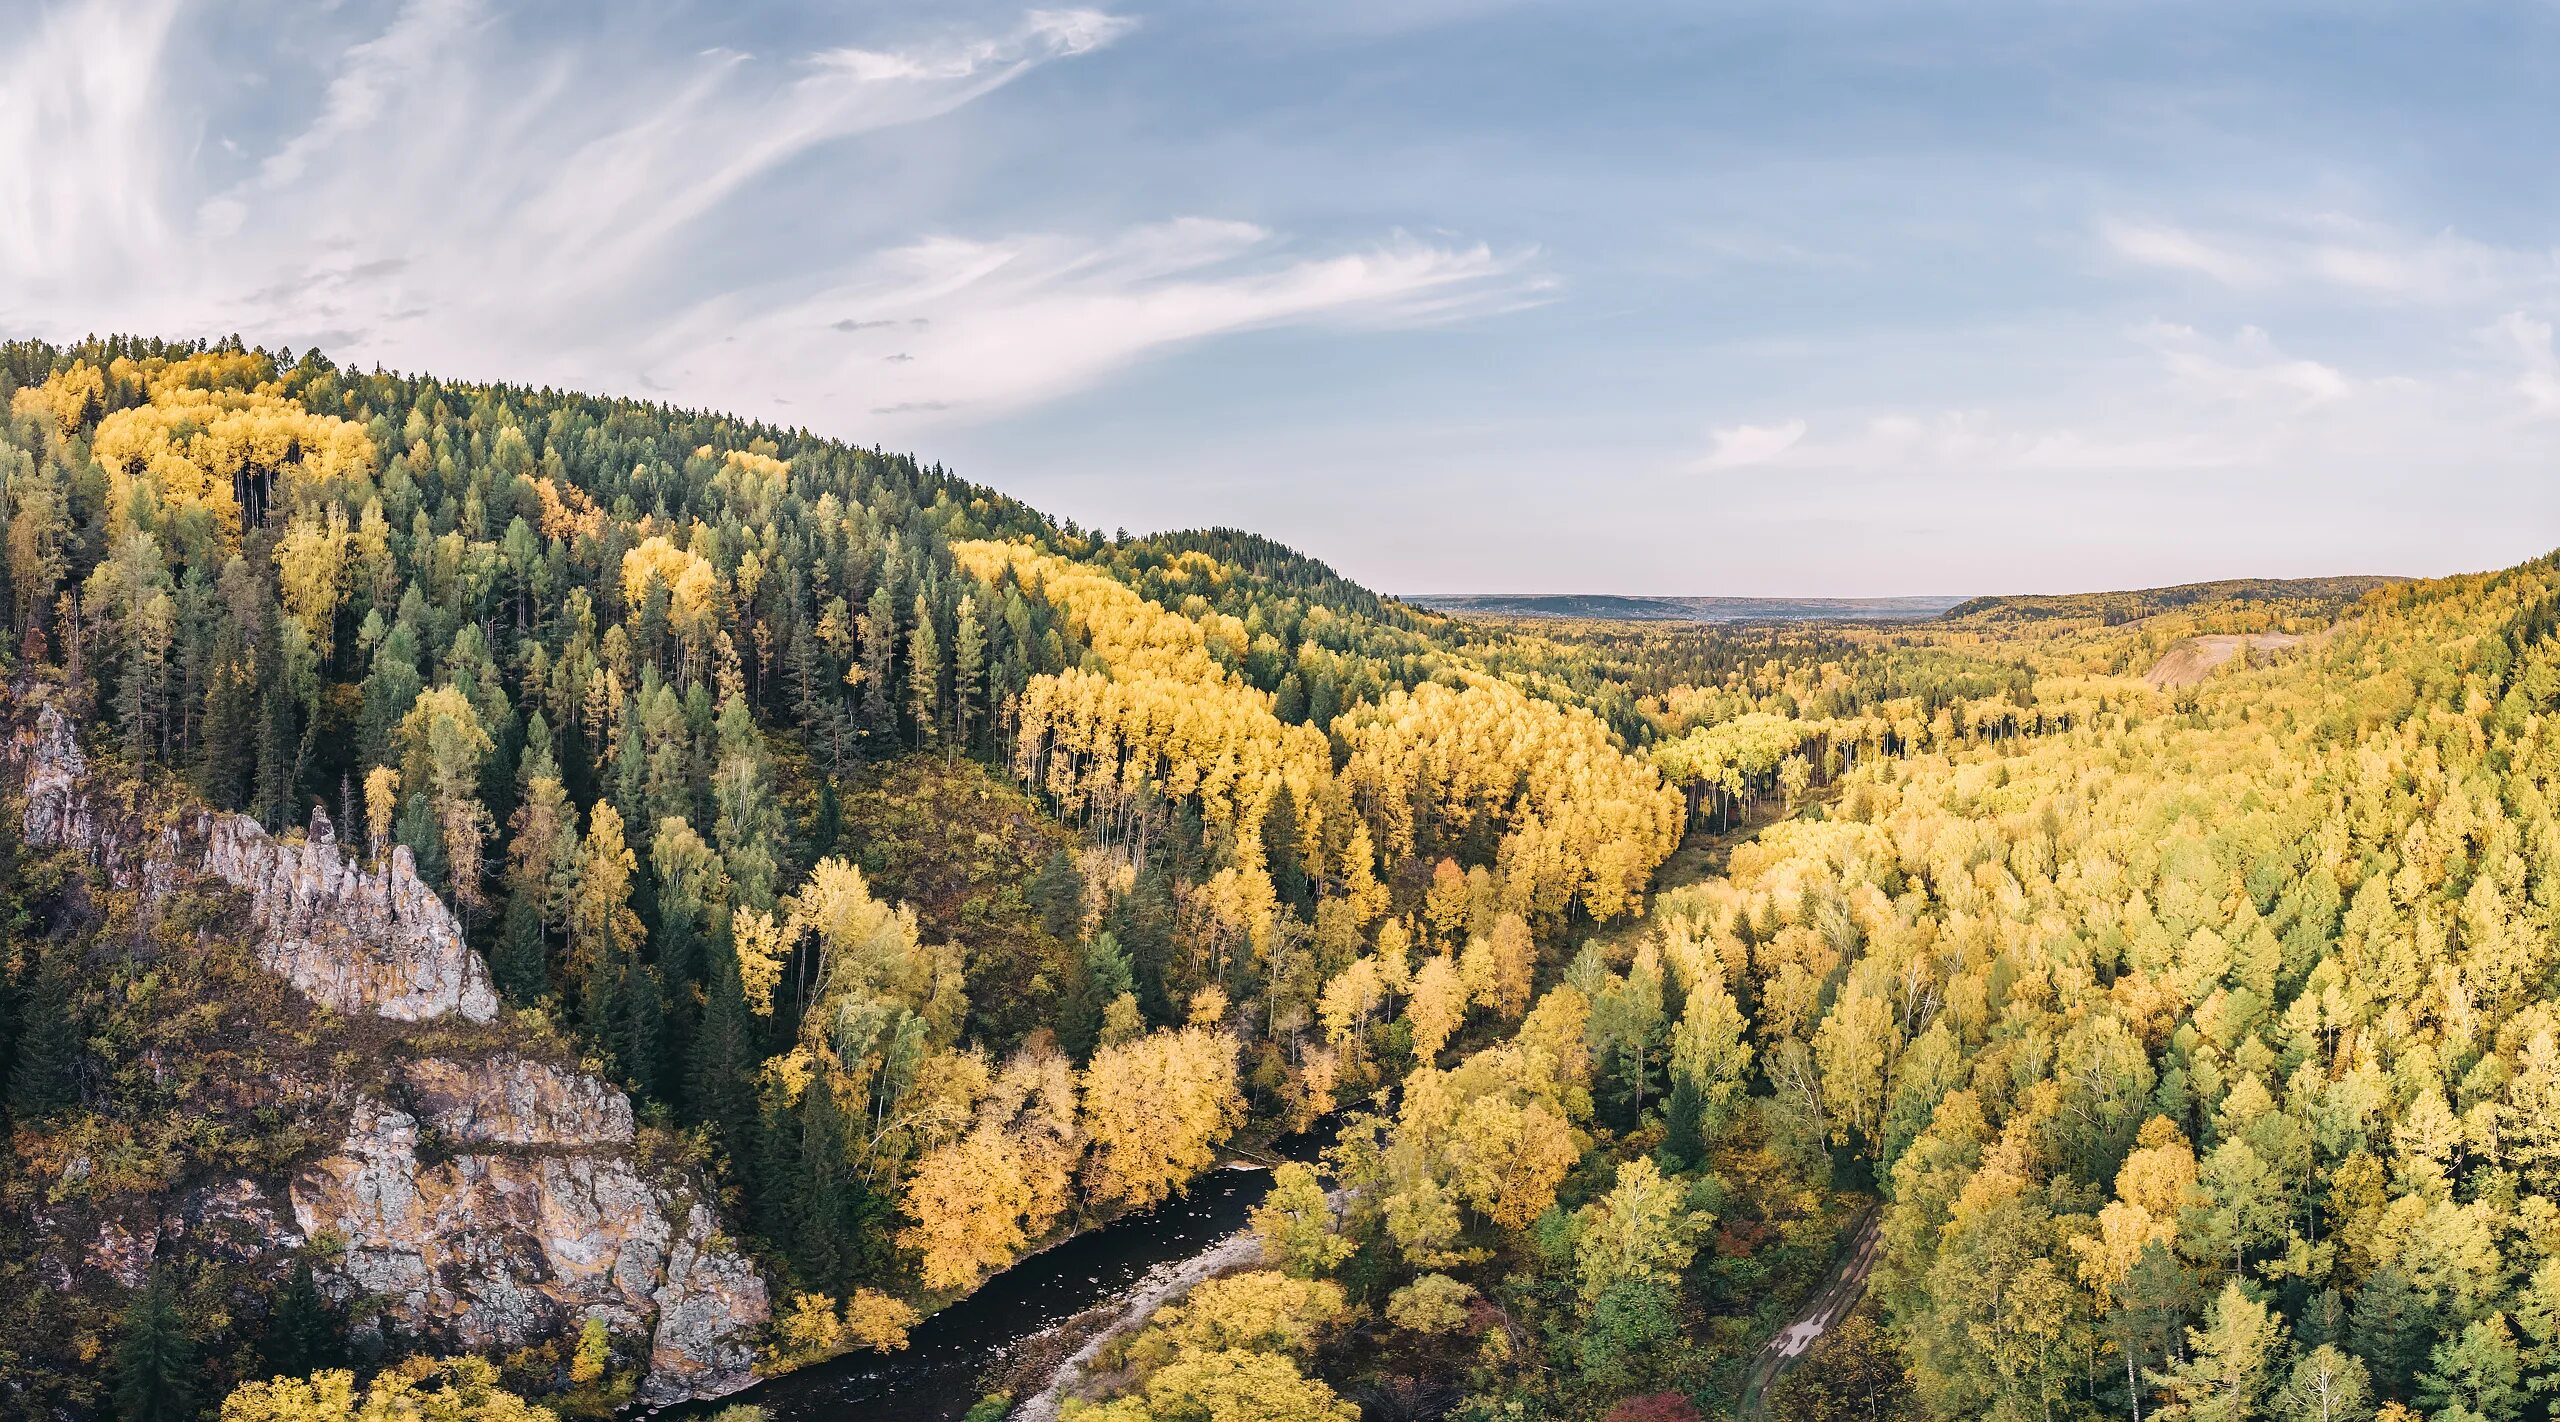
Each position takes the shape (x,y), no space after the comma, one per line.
(1609,607)
(2120,607)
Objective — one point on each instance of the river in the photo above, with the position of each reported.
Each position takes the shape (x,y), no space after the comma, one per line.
(953,1357)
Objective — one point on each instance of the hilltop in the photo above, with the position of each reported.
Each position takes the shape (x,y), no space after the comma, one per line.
(1612,607)
(2114,608)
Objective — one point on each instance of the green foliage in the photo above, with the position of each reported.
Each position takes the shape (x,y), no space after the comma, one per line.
(45,1077)
(303,1333)
(2168,1027)
(155,1359)
(1853,1373)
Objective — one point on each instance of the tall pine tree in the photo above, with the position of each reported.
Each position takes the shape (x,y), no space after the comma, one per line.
(155,1360)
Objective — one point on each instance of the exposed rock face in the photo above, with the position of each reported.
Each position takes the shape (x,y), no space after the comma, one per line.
(354,940)
(493,1250)
(516,1101)
(494,1200)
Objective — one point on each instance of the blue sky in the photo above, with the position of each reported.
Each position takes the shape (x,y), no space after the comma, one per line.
(1459,295)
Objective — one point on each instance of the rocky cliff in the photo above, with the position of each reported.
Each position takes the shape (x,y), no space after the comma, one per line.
(357,941)
(481,1193)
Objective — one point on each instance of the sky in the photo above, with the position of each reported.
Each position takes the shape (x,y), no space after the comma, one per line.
(1784,299)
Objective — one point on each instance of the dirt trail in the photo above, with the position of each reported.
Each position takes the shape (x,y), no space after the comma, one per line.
(1840,1293)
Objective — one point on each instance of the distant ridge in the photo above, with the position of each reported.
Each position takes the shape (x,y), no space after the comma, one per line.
(2137,603)
(1613,608)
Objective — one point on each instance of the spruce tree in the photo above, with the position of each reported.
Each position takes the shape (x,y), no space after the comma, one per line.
(1057,893)
(879,634)
(642,1037)
(302,1331)
(2387,1327)
(1280,853)
(1106,977)
(1684,1123)
(719,1087)
(230,710)
(155,1360)
(822,1197)
(46,1078)
(968,674)
(518,963)
(278,747)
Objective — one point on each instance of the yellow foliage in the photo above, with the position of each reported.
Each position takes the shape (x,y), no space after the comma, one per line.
(1155,1108)
(595,1349)
(463,1389)
(878,1322)
(811,1327)
(762,942)
(567,513)
(311,568)
(381,804)
(1438,1006)
(967,1198)
(193,448)
(1261,1310)
(1223,1387)
(693,585)
(1208,1006)
(1583,823)
(1432,1303)
(70,398)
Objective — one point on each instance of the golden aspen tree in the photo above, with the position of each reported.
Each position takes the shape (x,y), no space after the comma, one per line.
(968,1199)
(603,929)
(381,804)
(442,744)
(311,573)
(1156,1108)
(1642,1230)
(761,941)
(1438,1006)
(463,1389)
(1296,1226)
(876,1321)
(1499,967)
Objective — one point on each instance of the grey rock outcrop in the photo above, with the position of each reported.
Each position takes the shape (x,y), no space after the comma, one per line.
(490,1250)
(356,940)
(487,1200)
(515,1101)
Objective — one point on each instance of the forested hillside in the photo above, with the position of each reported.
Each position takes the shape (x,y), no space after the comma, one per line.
(649,698)
(937,878)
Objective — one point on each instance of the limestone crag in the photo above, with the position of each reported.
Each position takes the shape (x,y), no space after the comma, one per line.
(355,940)
(515,1101)
(484,1201)
(493,1250)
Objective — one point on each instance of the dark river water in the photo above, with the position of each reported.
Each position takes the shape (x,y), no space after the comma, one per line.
(952,1358)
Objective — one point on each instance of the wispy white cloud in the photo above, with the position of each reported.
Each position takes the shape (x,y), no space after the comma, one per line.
(470,197)
(2155,244)
(84,156)
(370,77)
(2199,403)
(1740,445)
(954,327)
(2527,340)
(2246,369)
(2341,254)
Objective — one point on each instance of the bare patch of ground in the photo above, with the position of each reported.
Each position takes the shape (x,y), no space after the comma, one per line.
(2194,659)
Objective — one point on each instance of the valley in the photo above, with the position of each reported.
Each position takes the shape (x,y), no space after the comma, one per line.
(548,903)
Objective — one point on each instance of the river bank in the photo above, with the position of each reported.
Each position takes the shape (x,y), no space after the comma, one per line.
(1050,1312)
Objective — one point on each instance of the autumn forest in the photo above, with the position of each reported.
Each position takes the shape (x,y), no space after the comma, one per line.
(840,881)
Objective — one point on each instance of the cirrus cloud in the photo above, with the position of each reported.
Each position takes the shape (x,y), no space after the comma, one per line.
(472,193)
